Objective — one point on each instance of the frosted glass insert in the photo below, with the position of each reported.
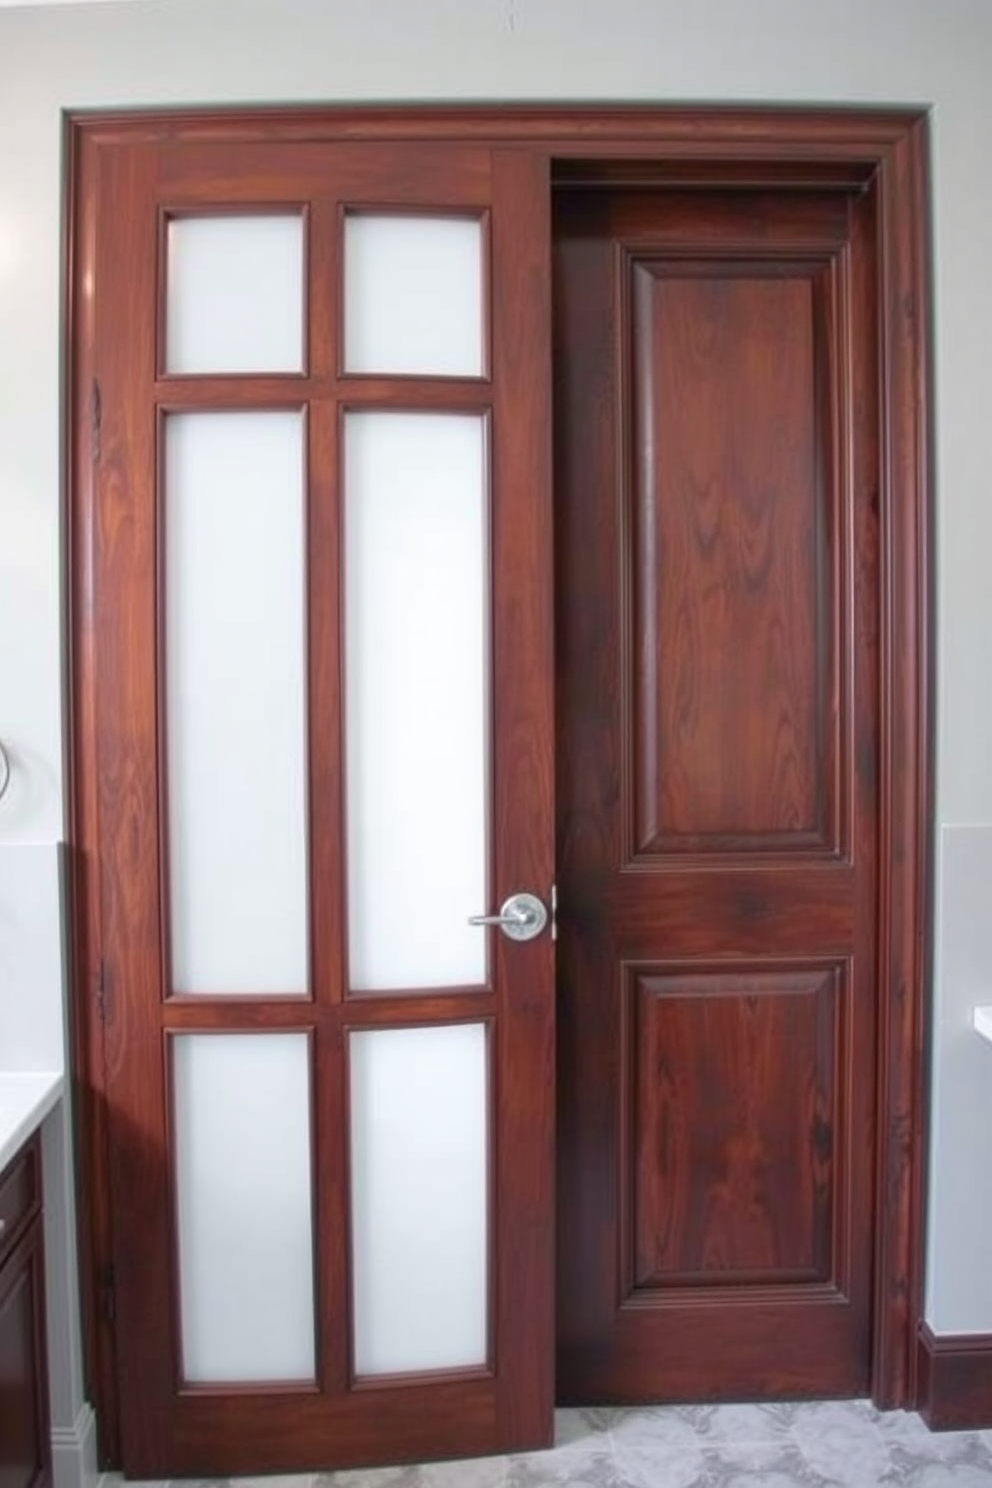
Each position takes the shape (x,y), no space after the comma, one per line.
(243,1198)
(234,294)
(419,1165)
(234,633)
(413,295)
(416,642)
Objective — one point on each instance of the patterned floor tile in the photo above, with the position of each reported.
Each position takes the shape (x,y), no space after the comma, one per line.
(842,1444)
(818,1444)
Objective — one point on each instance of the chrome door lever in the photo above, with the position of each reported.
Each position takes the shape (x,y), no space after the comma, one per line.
(521,917)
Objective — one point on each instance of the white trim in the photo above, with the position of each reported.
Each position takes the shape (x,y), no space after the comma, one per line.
(74,1452)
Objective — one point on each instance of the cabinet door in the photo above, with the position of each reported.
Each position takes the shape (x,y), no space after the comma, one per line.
(25,1453)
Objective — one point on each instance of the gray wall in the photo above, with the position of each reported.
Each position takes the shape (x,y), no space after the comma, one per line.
(935,52)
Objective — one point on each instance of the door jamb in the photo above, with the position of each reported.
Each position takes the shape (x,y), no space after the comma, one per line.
(886,149)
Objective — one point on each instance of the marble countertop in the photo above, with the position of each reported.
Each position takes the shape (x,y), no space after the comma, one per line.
(25,1101)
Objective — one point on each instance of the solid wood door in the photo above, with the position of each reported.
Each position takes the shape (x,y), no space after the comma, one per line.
(717,480)
(176,1416)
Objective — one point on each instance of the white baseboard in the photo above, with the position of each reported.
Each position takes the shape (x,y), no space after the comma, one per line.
(74,1452)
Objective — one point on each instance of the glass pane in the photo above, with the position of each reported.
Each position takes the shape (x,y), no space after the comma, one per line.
(419,1165)
(416,643)
(234,294)
(243,1165)
(413,295)
(235,663)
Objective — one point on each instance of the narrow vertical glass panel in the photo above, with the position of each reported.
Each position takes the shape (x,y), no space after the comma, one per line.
(244,1207)
(416,668)
(234,294)
(413,299)
(419,1178)
(235,702)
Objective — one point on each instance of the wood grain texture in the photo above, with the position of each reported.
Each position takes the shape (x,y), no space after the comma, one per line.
(898,213)
(714,146)
(734,1141)
(79,450)
(165,1427)
(713,810)
(881,154)
(954,1374)
(730,573)
(523,793)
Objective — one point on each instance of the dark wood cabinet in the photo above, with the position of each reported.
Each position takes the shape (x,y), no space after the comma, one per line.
(25,1450)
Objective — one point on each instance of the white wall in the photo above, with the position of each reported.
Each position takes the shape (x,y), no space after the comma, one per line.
(936,52)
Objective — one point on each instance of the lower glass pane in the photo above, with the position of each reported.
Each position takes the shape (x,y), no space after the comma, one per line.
(419,1195)
(244,1208)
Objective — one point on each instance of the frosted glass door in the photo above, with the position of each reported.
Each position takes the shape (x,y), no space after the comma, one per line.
(234,294)
(243,1164)
(413,296)
(419,1147)
(317,626)
(233,521)
(416,702)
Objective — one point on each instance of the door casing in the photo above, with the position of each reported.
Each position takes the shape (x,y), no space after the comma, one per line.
(594,145)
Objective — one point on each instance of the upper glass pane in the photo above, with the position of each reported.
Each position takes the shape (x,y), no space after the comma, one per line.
(416,674)
(235,662)
(413,302)
(234,294)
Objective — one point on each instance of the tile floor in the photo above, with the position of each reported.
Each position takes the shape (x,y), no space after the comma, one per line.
(818,1445)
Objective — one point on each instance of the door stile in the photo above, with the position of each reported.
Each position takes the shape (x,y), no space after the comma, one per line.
(128,770)
(80,456)
(523,661)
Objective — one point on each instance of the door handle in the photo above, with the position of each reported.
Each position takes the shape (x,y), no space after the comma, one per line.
(521,917)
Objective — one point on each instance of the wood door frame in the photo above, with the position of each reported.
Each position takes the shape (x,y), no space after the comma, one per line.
(883,150)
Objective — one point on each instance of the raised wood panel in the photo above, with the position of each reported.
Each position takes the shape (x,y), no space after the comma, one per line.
(25,1449)
(20,1195)
(734,1125)
(730,442)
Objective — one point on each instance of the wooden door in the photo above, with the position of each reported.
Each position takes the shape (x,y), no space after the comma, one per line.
(201,1063)
(717,477)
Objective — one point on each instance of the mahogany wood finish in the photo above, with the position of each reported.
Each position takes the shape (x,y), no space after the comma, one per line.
(955,1380)
(717,562)
(336,1420)
(122,168)
(739,1064)
(25,1440)
(720,755)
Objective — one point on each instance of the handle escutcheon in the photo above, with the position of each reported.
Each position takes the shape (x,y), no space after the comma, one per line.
(521,917)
